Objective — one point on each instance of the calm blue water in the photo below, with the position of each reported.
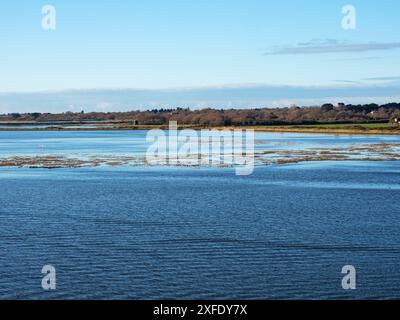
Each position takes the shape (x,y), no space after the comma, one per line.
(147,233)
(77,143)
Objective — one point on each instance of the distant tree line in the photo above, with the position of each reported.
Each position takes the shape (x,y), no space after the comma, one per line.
(327,113)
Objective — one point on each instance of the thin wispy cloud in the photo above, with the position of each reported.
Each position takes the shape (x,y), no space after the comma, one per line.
(391,78)
(324,46)
(347,81)
(357,59)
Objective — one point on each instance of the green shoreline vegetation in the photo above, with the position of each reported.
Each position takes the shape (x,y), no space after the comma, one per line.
(330,119)
(353,128)
(348,128)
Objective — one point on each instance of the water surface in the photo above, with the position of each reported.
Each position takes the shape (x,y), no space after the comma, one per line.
(284,232)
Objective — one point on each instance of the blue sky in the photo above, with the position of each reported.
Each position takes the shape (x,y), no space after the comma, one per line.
(120,55)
